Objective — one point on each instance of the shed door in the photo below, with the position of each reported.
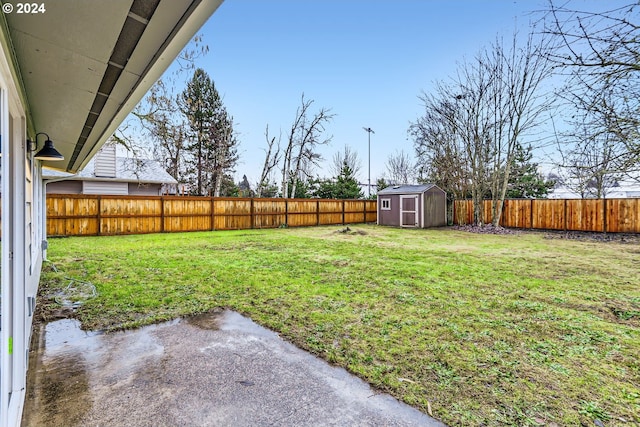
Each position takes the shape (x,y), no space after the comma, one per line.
(408,211)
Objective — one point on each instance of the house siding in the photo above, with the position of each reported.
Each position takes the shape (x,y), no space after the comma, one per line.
(102,187)
(105,162)
(136,189)
(65,187)
(96,187)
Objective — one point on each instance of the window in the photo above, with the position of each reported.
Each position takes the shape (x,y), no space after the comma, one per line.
(385,204)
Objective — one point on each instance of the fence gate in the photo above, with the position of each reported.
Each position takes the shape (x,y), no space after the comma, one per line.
(408,211)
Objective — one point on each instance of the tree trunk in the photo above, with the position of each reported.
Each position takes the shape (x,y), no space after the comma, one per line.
(200,189)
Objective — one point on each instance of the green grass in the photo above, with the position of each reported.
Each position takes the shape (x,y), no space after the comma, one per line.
(483,329)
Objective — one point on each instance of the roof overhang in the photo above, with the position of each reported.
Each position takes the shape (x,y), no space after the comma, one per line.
(84,65)
(407,189)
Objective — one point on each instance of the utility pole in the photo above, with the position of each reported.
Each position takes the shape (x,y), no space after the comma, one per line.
(369,131)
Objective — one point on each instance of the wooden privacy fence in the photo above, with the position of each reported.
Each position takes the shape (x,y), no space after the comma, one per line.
(85,215)
(600,215)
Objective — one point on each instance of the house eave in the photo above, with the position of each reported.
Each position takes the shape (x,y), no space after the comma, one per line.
(63,62)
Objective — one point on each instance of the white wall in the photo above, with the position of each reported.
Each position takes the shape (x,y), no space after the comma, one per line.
(22,237)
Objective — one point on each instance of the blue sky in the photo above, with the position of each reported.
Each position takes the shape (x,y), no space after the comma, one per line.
(368,61)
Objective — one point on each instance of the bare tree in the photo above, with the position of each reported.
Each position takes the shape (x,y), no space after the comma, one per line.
(167,128)
(401,168)
(305,136)
(158,120)
(271,160)
(589,162)
(439,148)
(519,103)
(598,54)
(346,157)
(474,123)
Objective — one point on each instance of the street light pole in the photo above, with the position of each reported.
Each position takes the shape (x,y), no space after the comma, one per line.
(369,131)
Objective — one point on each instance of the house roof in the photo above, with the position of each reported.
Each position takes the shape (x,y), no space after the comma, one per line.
(406,189)
(82,66)
(623,190)
(127,170)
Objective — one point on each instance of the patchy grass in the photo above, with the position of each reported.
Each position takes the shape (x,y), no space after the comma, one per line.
(483,329)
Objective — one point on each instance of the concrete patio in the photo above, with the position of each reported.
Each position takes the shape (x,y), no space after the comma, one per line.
(211,370)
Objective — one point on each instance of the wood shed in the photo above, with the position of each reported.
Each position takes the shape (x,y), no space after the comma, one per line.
(420,206)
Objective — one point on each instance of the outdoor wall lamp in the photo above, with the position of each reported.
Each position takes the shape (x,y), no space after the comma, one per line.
(48,152)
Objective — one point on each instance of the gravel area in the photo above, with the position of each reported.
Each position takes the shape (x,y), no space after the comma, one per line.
(486,229)
(594,237)
(553,234)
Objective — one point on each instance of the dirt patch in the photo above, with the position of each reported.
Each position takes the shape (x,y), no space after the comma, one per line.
(614,311)
(49,312)
(352,232)
(594,237)
(485,229)
(207,321)
(552,234)
(61,304)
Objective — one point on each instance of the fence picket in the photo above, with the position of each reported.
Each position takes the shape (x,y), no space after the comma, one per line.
(81,214)
(109,215)
(593,215)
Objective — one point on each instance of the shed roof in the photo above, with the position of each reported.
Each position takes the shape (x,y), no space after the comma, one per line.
(406,189)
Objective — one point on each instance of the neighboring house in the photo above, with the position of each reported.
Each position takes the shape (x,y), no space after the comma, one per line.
(108,174)
(624,190)
(69,75)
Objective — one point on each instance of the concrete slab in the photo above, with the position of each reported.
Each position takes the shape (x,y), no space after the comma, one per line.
(211,370)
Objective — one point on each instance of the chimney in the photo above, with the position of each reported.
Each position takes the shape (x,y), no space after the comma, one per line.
(105,162)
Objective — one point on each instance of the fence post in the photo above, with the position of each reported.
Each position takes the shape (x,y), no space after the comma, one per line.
(342,211)
(162,214)
(317,212)
(565,215)
(252,214)
(213,218)
(604,215)
(453,212)
(286,212)
(99,216)
(531,215)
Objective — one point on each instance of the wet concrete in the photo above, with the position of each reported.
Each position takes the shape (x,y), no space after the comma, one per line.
(211,370)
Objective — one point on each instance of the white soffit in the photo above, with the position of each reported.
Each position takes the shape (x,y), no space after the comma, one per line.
(86,64)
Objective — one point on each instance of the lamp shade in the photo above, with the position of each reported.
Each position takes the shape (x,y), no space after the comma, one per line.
(48,152)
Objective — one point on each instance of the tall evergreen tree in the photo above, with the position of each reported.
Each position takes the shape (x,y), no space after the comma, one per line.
(344,186)
(228,187)
(298,188)
(213,146)
(347,186)
(244,188)
(525,182)
(381,184)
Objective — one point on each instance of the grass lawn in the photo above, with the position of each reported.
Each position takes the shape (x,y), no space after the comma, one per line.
(478,329)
